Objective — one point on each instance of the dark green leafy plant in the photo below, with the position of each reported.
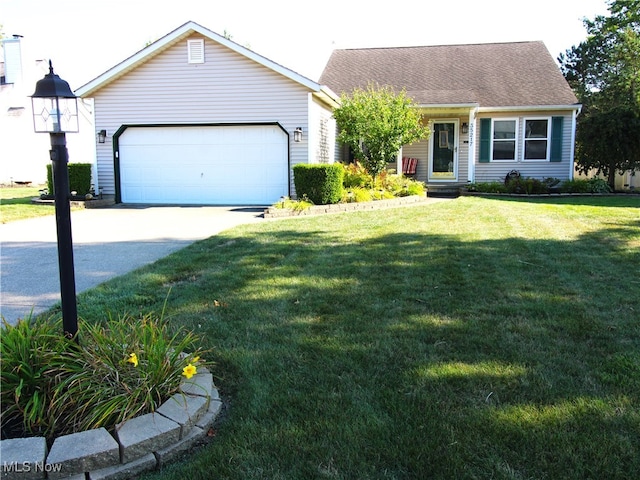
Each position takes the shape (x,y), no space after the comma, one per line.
(527,185)
(27,352)
(123,368)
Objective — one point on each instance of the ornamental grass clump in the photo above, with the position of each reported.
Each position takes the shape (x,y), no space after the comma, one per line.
(123,368)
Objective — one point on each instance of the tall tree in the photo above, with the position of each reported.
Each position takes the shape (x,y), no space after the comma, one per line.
(604,72)
(376,123)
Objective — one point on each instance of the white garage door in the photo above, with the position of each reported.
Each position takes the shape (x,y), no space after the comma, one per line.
(218,165)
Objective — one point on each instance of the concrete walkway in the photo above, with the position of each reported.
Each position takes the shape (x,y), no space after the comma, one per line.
(107,243)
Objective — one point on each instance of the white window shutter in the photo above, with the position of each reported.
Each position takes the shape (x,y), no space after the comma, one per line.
(195,51)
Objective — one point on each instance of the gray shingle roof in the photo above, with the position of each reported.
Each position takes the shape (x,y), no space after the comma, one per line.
(492,75)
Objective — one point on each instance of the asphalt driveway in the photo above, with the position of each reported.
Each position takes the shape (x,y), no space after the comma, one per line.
(106,243)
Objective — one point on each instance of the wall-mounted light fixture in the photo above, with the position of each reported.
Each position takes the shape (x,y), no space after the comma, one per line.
(297,135)
(465,127)
(102,136)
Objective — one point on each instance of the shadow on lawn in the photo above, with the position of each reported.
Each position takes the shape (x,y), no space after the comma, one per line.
(413,353)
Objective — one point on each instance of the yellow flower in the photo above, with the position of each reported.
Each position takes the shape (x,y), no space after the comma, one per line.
(133,358)
(196,359)
(189,371)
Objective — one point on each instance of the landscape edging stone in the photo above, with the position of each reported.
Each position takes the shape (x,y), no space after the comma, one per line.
(198,411)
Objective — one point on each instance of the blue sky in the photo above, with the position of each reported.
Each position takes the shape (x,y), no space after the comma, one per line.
(84,38)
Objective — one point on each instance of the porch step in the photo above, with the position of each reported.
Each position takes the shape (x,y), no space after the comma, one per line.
(443,191)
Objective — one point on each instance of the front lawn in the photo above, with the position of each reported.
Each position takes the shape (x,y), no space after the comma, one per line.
(474,338)
(15,204)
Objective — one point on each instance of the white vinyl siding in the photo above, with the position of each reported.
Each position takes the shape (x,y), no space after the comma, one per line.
(227,89)
(322,127)
(496,170)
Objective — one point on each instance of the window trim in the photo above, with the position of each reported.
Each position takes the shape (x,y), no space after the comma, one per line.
(516,150)
(547,138)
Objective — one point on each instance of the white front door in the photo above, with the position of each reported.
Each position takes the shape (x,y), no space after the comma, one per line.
(443,151)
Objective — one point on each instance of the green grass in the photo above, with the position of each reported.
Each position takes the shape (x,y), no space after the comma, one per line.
(15,204)
(476,338)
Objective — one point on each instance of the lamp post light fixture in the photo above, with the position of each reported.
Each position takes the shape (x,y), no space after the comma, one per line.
(55,111)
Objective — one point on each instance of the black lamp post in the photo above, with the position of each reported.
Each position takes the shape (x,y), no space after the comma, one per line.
(55,111)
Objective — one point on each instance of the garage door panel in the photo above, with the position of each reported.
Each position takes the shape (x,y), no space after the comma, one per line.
(204,165)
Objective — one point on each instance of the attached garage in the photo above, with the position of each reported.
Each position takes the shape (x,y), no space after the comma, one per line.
(197,119)
(215,165)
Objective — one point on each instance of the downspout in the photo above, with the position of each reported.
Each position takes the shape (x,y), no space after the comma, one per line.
(574,121)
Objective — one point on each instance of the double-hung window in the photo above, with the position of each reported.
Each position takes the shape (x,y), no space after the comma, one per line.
(537,138)
(504,139)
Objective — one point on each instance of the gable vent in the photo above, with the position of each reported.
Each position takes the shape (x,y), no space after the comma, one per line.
(195,51)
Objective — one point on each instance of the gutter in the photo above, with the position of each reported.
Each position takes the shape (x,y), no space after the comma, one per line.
(531,108)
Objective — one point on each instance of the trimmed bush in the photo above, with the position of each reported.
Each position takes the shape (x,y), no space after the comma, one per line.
(79,178)
(322,184)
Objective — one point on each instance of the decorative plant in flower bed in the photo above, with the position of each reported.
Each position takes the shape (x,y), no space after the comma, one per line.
(358,185)
(126,367)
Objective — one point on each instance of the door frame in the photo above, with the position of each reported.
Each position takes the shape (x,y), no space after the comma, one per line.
(456,150)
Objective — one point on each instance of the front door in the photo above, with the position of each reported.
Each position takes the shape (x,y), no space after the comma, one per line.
(443,163)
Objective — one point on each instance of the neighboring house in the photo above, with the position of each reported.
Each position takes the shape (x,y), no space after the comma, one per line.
(195,118)
(492,108)
(24,154)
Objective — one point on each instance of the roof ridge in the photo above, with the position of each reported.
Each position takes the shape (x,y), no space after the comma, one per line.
(441,45)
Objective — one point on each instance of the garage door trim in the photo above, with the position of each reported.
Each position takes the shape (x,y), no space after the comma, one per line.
(123,128)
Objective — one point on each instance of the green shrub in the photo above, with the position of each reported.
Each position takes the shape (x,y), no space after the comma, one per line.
(79,178)
(295,205)
(575,186)
(124,368)
(358,194)
(50,179)
(355,175)
(381,194)
(593,185)
(526,185)
(398,185)
(488,187)
(321,183)
(599,185)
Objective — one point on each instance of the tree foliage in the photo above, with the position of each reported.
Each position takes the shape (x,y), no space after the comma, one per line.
(604,72)
(376,123)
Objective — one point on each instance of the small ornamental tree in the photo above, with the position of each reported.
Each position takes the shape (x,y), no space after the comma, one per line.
(376,123)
